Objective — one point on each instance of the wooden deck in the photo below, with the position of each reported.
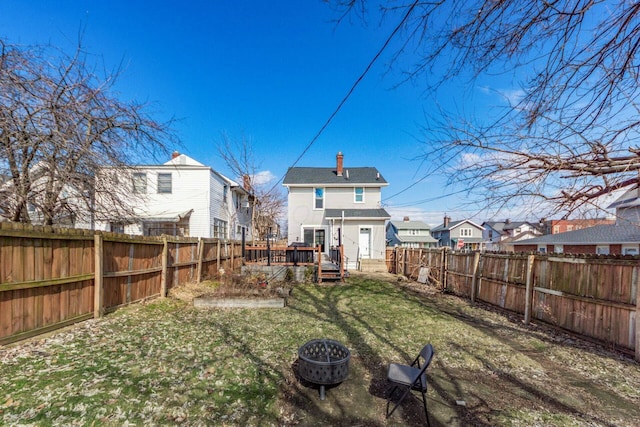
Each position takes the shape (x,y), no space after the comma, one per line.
(329,267)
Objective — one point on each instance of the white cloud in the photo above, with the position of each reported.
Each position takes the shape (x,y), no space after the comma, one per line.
(513,96)
(263,177)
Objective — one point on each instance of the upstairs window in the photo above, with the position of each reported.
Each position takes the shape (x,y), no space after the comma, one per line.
(318,194)
(164,183)
(140,183)
(358,194)
(465,232)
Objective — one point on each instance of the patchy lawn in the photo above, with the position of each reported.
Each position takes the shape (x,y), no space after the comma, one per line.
(165,362)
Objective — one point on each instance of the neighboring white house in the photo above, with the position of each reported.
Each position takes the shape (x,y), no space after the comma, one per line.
(181,197)
(341,205)
(410,234)
(501,235)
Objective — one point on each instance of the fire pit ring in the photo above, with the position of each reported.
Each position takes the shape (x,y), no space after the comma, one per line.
(323,362)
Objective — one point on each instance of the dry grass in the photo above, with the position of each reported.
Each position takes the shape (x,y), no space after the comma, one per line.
(166,363)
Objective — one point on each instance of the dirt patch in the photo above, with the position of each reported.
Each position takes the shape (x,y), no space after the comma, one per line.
(236,286)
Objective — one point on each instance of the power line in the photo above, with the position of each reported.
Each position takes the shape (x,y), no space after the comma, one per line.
(353,88)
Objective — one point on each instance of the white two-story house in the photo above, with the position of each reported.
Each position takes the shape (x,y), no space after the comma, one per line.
(181,197)
(338,205)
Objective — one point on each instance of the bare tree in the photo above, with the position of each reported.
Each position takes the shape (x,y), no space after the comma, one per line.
(571,134)
(269,202)
(60,123)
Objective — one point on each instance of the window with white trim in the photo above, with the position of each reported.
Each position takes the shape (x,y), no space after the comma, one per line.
(219,229)
(318,198)
(602,250)
(466,232)
(164,183)
(140,183)
(358,194)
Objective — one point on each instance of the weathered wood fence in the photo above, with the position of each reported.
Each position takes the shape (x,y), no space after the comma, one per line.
(594,296)
(50,277)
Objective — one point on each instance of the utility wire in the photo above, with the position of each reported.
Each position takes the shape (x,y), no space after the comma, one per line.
(353,88)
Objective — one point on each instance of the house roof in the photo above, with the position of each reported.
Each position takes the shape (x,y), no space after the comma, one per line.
(497,226)
(598,234)
(367,176)
(501,226)
(416,239)
(454,224)
(410,225)
(629,199)
(356,213)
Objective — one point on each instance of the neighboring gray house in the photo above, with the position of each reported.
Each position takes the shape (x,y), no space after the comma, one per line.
(329,206)
(459,235)
(410,234)
(621,238)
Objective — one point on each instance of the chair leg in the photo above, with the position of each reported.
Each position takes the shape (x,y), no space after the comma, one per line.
(389,400)
(399,401)
(426,411)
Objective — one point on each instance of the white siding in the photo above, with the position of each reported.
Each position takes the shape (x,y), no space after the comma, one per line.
(193,187)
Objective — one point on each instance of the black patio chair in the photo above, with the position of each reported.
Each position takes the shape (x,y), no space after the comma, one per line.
(410,377)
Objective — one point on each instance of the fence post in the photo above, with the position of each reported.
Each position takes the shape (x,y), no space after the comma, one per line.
(98,284)
(443,269)
(218,258)
(200,254)
(233,253)
(528,298)
(474,279)
(165,268)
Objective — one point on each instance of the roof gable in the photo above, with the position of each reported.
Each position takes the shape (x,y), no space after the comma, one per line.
(454,224)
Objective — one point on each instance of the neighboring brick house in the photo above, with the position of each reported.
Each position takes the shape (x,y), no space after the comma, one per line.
(328,206)
(501,235)
(459,235)
(410,234)
(620,238)
(555,226)
(181,197)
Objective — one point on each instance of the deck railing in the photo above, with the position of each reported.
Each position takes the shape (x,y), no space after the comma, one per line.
(288,255)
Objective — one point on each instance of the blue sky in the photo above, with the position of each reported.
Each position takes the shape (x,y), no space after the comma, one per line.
(273,71)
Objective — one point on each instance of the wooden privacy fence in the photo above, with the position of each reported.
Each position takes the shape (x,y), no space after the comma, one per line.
(594,296)
(50,278)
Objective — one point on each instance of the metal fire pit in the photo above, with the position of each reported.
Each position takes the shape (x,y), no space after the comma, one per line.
(323,362)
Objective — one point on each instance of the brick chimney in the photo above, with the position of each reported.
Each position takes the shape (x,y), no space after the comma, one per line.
(246,182)
(405,219)
(446,221)
(339,159)
(175,154)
